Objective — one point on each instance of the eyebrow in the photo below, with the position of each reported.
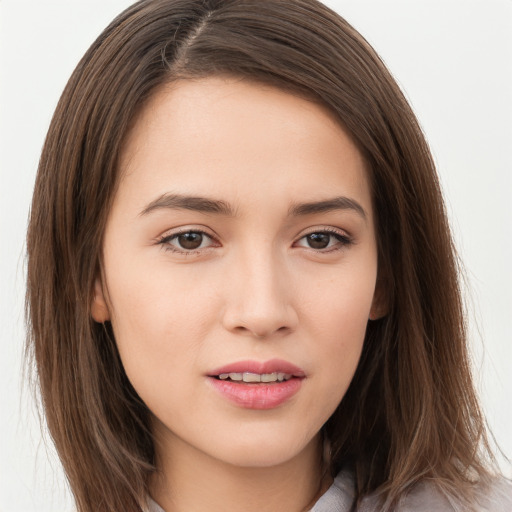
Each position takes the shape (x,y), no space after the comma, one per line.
(219,207)
(195,203)
(327,205)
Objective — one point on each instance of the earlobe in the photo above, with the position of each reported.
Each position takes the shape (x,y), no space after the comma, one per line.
(377,312)
(99,308)
(380,303)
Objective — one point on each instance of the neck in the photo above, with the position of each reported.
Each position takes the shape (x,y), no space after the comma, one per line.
(192,481)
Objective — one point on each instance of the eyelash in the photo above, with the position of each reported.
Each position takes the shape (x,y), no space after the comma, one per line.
(343,241)
(165,240)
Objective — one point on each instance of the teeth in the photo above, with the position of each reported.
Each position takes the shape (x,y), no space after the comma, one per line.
(256,377)
(252,377)
(232,376)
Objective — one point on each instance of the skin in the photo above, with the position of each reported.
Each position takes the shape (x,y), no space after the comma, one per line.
(254,289)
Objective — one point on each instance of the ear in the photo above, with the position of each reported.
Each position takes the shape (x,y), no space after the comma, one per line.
(380,303)
(99,308)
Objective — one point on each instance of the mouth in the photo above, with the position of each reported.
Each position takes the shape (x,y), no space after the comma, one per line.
(251,378)
(257,385)
(272,370)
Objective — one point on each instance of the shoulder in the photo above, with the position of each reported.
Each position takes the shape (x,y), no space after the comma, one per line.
(425,496)
(340,495)
(496,497)
(153,506)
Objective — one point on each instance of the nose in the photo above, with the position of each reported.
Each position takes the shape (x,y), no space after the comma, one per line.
(259,301)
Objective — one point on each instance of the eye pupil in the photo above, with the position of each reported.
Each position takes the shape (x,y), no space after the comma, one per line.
(318,240)
(190,240)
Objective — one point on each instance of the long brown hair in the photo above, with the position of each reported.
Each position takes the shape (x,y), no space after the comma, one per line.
(411,412)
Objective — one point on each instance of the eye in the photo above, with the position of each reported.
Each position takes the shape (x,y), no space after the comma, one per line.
(186,241)
(325,240)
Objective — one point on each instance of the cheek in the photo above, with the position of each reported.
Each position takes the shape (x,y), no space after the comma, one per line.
(339,341)
(337,307)
(154,298)
(338,316)
(159,319)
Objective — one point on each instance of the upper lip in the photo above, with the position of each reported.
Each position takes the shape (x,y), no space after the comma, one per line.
(259,367)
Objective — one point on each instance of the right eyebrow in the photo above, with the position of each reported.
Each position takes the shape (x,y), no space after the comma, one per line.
(328,205)
(184,202)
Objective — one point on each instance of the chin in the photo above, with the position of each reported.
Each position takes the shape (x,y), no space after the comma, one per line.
(263,452)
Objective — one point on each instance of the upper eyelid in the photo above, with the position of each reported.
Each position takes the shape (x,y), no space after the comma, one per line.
(169,233)
(325,229)
(203,230)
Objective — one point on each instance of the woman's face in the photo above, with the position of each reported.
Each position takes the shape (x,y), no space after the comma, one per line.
(240,245)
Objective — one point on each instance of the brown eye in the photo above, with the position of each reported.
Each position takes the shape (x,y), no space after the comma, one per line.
(318,240)
(324,241)
(190,241)
(187,242)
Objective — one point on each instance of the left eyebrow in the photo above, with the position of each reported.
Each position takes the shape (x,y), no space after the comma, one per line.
(184,202)
(327,205)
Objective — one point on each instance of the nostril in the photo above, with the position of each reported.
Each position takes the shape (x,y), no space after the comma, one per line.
(247,319)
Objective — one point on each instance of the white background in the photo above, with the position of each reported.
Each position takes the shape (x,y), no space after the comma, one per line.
(454,60)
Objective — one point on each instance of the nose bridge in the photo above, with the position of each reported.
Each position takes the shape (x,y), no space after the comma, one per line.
(260,301)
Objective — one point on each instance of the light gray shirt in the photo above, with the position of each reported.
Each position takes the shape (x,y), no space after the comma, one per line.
(423,498)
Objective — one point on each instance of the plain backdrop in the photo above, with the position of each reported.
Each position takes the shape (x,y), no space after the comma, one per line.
(453,59)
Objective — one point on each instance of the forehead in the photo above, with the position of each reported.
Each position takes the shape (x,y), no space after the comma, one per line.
(232,138)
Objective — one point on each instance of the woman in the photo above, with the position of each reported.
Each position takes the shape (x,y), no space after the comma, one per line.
(241,279)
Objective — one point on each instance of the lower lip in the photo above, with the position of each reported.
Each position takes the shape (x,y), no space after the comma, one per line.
(257,396)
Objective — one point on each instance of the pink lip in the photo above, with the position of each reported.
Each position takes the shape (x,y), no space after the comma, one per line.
(271,366)
(261,395)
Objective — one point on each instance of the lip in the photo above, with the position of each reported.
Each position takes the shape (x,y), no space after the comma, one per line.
(258,396)
(270,366)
